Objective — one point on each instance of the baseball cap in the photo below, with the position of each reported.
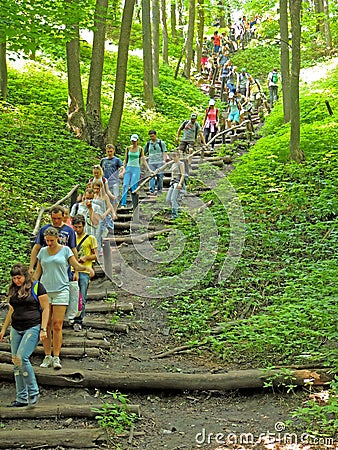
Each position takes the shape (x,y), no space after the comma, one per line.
(243,69)
(134,137)
(211,102)
(231,95)
(193,116)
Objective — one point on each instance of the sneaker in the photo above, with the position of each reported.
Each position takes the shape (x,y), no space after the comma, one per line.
(17,404)
(77,327)
(47,362)
(33,400)
(56,363)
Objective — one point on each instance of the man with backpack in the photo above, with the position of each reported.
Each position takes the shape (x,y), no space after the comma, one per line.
(66,237)
(86,246)
(273,80)
(156,151)
(191,130)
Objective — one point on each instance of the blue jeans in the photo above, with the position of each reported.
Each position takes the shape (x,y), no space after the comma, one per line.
(115,190)
(100,231)
(172,197)
(131,178)
(83,285)
(273,90)
(159,178)
(23,344)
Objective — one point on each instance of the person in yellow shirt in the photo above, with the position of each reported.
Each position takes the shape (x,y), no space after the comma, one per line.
(86,245)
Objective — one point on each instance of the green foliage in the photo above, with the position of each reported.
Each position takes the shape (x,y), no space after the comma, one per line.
(282,378)
(115,416)
(321,419)
(279,305)
(258,60)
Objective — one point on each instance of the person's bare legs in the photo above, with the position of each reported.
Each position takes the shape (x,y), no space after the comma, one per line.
(57,323)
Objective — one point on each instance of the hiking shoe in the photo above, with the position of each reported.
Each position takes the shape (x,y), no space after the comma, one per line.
(17,404)
(33,400)
(77,327)
(47,361)
(56,363)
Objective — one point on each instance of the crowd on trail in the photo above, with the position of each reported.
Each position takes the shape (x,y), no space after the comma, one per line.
(241,93)
(53,288)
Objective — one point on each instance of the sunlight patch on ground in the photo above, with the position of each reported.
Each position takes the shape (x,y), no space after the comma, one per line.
(321,70)
(87,36)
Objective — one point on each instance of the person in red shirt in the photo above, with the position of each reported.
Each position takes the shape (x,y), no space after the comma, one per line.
(217,42)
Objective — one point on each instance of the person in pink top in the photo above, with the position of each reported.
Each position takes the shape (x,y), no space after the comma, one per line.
(210,123)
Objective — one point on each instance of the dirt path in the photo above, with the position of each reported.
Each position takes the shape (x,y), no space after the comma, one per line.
(186,420)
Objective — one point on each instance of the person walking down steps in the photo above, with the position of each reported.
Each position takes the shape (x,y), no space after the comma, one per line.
(28,316)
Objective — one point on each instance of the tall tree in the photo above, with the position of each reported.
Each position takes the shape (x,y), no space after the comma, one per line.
(296,154)
(3,66)
(173,21)
(285,57)
(165,52)
(190,39)
(77,120)
(121,72)
(93,106)
(156,41)
(200,33)
(148,89)
(327,28)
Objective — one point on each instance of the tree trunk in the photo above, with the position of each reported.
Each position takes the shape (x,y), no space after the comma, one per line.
(3,67)
(173,21)
(121,72)
(70,438)
(60,410)
(67,352)
(109,307)
(156,41)
(148,86)
(200,33)
(77,120)
(151,381)
(221,9)
(190,39)
(165,53)
(95,76)
(319,11)
(285,57)
(296,154)
(327,28)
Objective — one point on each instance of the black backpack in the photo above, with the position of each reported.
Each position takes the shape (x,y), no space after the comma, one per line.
(146,148)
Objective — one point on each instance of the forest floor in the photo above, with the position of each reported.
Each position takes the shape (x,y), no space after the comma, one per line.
(169,420)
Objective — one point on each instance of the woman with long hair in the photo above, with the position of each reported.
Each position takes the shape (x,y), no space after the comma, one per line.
(132,169)
(28,316)
(104,209)
(98,175)
(52,267)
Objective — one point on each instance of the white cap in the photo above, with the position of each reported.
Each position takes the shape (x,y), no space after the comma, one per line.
(211,102)
(134,137)
(231,95)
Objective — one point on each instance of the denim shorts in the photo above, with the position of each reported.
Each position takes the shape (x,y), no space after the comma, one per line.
(59,298)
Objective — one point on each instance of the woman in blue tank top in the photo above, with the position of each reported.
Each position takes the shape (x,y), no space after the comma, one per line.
(132,168)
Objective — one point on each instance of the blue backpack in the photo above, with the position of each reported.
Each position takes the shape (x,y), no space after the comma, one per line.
(34,290)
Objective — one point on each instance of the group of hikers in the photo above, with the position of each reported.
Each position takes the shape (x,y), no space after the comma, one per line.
(62,257)
(237,33)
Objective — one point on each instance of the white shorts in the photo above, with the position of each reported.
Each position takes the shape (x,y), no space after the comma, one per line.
(59,298)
